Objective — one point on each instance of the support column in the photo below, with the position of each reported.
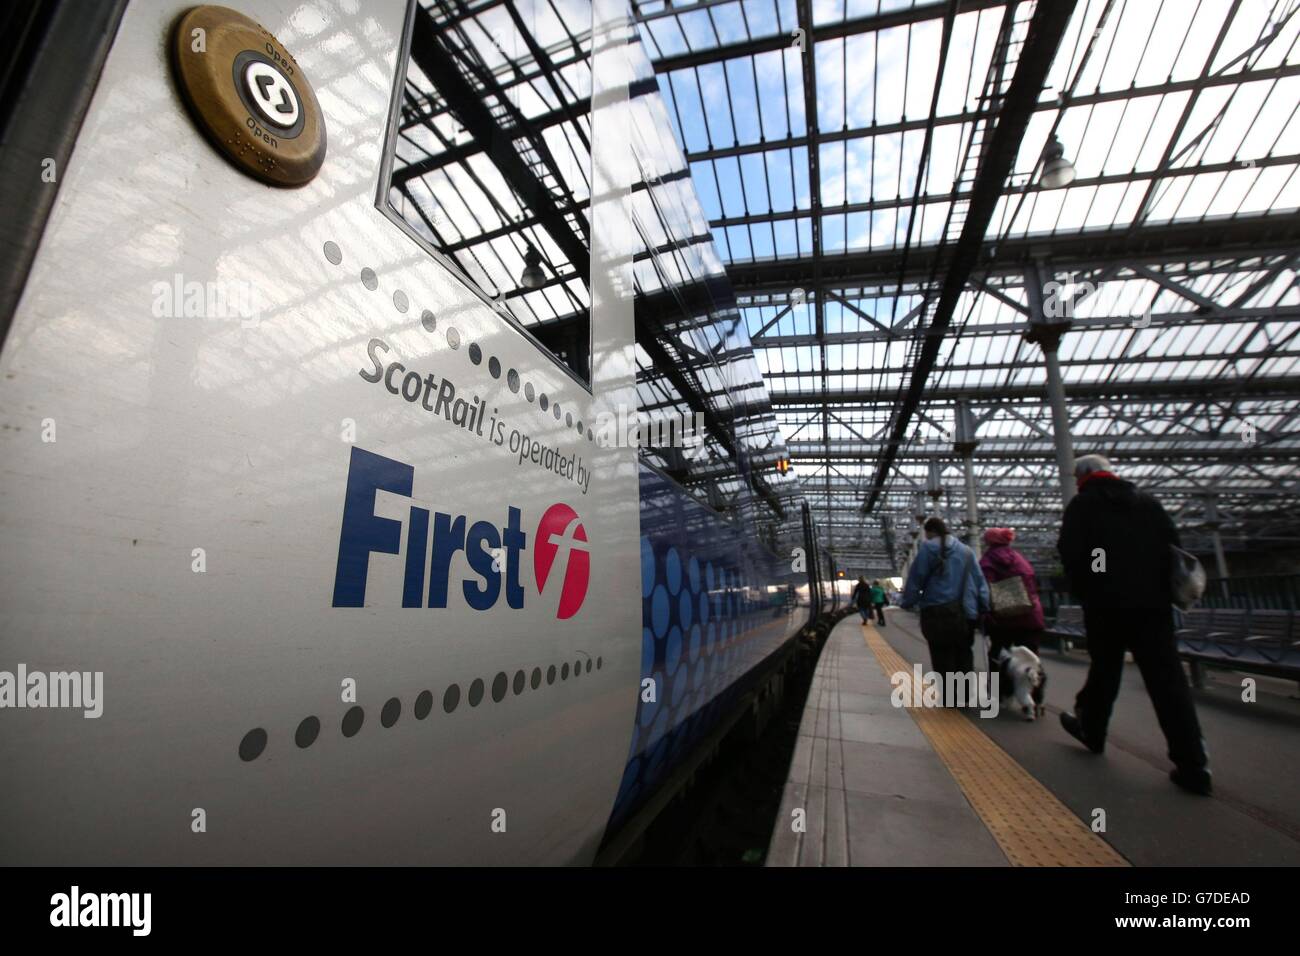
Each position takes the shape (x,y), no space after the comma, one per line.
(934,488)
(1049,320)
(964,444)
(1213,522)
(972,515)
(1060,422)
(891,550)
(1219,557)
(911,555)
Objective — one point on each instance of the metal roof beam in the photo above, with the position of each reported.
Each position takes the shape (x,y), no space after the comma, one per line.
(908,125)
(827,31)
(1276,233)
(1278,386)
(1172,320)
(1075,362)
(1109,179)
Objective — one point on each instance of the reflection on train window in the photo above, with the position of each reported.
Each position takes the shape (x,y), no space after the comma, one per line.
(491,157)
(707,422)
(491,170)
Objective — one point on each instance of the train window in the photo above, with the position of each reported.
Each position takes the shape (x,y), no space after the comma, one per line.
(488,159)
(707,421)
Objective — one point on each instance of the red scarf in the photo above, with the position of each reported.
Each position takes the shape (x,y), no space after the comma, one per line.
(1110,476)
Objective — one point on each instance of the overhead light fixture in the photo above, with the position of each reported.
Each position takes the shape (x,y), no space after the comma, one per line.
(1057,170)
(533,277)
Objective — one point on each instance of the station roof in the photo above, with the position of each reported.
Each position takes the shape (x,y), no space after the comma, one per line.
(871,173)
(868,177)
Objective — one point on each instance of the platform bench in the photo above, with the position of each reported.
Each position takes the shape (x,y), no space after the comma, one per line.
(1257,641)
(1067,628)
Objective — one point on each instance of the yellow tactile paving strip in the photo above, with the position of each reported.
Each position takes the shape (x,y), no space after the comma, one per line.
(1032,827)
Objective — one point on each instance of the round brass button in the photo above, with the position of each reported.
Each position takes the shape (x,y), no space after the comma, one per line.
(248,95)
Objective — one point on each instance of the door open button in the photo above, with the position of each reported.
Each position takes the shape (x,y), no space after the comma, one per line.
(249,96)
(271,93)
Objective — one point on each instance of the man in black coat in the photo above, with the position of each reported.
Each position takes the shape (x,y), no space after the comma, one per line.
(861,599)
(1115,546)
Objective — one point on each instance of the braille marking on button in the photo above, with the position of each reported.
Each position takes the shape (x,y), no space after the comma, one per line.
(453,337)
(428,320)
(369,279)
(400,301)
(333,253)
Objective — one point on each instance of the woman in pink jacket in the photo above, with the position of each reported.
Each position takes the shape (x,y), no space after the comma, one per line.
(1001,561)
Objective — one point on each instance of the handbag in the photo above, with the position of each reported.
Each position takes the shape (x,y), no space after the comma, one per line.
(1186,577)
(1010,598)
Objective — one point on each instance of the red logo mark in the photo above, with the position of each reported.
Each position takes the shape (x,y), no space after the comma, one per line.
(560,528)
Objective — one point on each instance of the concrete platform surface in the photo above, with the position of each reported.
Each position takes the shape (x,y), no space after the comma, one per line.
(871,789)
(867,787)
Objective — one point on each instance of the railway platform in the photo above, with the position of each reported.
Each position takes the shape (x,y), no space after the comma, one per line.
(874,784)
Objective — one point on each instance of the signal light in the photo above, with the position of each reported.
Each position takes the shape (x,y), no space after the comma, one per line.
(783,465)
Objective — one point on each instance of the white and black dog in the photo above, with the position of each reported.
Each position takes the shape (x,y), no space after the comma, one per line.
(1021,678)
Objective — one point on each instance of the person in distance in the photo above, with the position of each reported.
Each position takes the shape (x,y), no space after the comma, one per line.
(862,599)
(878,602)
